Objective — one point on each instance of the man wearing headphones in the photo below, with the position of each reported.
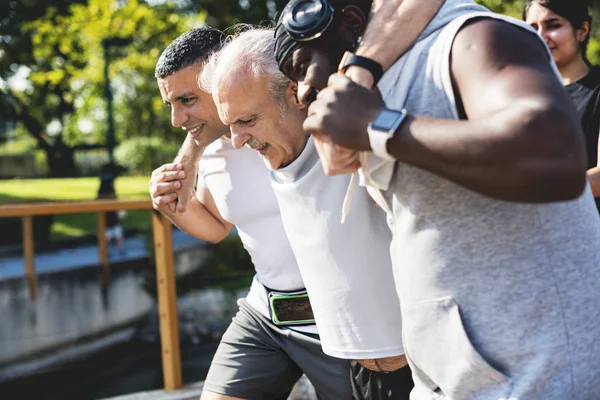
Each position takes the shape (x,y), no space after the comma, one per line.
(476,153)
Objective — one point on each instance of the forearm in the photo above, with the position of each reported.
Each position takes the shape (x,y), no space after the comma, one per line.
(199,222)
(394,27)
(190,152)
(511,156)
(593,175)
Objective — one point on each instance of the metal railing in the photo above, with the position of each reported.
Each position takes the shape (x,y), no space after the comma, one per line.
(165,264)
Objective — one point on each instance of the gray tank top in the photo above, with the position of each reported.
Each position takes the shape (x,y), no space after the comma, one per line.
(496,296)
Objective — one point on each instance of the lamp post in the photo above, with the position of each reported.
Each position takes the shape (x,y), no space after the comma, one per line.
(109,171)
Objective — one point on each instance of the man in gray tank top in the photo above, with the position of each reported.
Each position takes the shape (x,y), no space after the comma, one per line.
(496,239)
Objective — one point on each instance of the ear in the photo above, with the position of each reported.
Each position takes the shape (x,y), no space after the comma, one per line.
(291,96)
(353,24)
(583,32)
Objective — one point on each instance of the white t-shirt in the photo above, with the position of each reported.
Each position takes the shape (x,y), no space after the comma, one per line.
(240,186)
(346,267)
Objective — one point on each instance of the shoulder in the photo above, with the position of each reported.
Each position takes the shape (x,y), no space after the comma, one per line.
(498,41)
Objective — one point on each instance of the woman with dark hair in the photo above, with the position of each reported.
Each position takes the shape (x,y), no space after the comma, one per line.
(565,26)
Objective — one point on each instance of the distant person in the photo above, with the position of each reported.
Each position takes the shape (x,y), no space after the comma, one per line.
(114,231)
(566,26)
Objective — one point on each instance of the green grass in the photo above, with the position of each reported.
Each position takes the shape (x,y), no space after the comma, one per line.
(17,191)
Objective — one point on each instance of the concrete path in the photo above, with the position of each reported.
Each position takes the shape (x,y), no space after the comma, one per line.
(302,391)
(86,256)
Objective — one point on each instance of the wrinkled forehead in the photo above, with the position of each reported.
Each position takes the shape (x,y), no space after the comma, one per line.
(240,93)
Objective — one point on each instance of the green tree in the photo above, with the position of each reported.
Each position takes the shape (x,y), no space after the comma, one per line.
(67,74)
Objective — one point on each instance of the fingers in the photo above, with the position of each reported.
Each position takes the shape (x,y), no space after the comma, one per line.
(164,177)
(164,188)
(164,199)
(338,79)
(335,159)
(166,168)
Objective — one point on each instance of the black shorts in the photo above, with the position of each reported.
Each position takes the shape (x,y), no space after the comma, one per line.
(371,385)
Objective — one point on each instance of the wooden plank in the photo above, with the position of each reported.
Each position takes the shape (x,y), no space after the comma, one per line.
(73,207)
(29,255)
(167,301)
(102,246)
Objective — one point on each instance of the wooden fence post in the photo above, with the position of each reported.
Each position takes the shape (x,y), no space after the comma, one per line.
(102,246)
(167,301)
(29,255)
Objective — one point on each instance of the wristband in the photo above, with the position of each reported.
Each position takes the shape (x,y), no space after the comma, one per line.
(372,66)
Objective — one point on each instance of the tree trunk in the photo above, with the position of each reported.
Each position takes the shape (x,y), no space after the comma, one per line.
(61,161)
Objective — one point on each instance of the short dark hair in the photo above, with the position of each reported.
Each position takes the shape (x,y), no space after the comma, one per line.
(190,48)
(575,11)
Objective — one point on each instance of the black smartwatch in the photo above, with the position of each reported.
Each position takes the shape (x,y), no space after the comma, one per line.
(373,67)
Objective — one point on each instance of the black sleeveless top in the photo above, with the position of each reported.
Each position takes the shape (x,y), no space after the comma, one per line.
(585,94)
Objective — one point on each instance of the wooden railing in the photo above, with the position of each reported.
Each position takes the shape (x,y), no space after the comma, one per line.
(165,265)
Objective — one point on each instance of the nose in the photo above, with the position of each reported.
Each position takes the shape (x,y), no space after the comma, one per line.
(543,34)
(306,93)
(239,137)
(178,117)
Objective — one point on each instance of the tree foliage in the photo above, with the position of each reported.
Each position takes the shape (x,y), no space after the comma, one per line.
(60,44)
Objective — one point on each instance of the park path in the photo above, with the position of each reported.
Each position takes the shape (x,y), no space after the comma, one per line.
(83,256)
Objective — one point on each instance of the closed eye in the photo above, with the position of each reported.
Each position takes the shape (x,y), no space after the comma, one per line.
(246,121)
(187,100)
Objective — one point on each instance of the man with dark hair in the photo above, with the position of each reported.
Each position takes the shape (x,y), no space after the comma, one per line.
(264,351)
(476,154)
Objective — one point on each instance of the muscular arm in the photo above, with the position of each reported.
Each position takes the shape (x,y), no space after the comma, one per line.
(392,29)
(522,140)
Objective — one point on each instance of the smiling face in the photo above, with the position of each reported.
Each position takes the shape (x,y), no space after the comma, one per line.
(192,109)
(559,34)
(257,121)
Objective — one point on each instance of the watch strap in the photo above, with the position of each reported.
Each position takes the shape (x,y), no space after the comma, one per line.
(373,67)
(378,141)
(379,138)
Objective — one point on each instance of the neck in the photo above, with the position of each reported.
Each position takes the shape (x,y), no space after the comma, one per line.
(574,71)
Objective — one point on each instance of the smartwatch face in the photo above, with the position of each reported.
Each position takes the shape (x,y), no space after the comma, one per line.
(386,120)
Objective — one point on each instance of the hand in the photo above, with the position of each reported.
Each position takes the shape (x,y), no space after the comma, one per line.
(186,190)
(336,160)
(342,112)
(164,183)
(360,76)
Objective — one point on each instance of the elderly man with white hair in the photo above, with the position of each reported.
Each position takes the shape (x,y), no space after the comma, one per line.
(345,267)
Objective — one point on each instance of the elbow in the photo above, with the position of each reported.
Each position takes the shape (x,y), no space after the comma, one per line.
(568,188)
(564,176)
(562,149)
(216,238)
(218,235)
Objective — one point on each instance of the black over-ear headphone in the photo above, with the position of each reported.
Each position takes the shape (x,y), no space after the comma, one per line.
(306,20)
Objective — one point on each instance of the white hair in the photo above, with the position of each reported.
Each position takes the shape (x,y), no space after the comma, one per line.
(252,50)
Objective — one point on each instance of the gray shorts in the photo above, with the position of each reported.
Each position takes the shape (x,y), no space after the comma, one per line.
(258,360)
